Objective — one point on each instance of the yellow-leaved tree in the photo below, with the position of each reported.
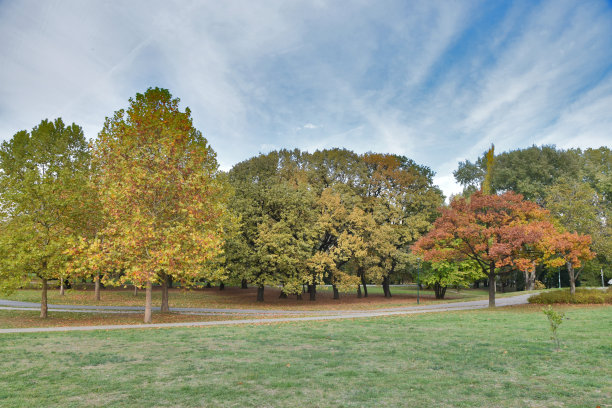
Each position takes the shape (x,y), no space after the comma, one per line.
(163,202)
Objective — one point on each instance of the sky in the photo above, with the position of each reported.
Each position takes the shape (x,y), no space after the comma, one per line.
(436,81)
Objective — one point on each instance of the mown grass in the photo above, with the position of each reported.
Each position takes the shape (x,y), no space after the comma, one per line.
(485,358)
(239,298)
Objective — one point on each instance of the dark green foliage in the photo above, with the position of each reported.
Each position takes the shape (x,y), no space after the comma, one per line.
(331,216)
(525,171)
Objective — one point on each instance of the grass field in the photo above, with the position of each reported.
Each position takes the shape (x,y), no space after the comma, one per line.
(484,358)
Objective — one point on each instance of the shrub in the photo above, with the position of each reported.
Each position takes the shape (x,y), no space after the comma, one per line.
(537,285)
(582,296)
(555,319)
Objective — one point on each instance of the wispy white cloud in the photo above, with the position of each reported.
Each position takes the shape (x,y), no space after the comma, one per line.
(435,81)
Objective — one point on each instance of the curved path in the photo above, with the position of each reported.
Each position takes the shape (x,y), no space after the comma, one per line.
(320,314)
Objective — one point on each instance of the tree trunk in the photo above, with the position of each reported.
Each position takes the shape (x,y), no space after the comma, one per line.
(386,287)
(208,285)
(222,286)
(359,291)
(440,291)
(365,287)
(243,284)
(572,278)
(336,293)
(135,290)
(61,287)
(43,300)
(170,282)
(282,295)
(491,285)
(165,307)
(260,293)
(529,280)
(476,284)
(148,302)
(312,289)
(299,296)
(97,286)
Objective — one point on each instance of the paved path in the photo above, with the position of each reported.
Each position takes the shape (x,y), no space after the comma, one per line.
(322,314)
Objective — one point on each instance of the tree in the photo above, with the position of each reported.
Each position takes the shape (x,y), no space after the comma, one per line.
(570,248)
(497,232)
(401,197)
(276,207)
(84,258)
(443,274)
(580,208)
(43,175)
(162,199)
(336,177)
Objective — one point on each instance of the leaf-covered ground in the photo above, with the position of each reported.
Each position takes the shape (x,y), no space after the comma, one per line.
(21,319)
(233,297)
(484,358)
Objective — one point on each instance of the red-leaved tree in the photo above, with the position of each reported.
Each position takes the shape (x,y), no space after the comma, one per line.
(499,233)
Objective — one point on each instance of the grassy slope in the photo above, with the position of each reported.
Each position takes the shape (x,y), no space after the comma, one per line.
(500,358)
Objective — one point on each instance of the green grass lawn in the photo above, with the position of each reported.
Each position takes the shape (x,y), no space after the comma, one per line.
(484,358)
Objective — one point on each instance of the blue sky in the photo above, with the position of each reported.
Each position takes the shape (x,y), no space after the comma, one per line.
(435,81)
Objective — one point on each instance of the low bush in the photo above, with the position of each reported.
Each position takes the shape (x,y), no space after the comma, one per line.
(582,296)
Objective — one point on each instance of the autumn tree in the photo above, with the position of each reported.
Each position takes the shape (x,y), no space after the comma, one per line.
(161,196)
(43,176)
(569,248)
(402,200)
(85,252)
(336,178)
(497,232)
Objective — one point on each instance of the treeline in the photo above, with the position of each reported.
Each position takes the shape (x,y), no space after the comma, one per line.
(145,204)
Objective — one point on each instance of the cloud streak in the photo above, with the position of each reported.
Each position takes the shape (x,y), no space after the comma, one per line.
(436,81)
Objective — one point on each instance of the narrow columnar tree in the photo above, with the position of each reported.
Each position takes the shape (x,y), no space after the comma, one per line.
(43,176)
(162,199)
